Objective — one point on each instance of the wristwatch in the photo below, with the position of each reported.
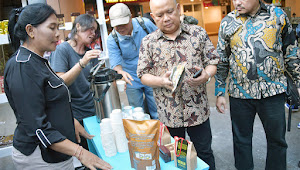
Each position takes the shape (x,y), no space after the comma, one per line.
(208,77)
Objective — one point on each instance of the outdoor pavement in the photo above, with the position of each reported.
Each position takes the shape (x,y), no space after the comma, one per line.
(221,133)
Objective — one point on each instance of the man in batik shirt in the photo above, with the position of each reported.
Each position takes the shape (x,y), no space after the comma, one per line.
(256,44)
(173,44)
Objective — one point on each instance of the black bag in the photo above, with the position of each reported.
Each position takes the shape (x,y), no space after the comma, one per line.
(292,96)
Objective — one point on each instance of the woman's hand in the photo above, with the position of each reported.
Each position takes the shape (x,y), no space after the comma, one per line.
(92,161)
(91,54)
(87,158)
(80,131)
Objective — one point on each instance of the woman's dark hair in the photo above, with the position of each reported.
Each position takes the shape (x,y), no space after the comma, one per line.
(34,14)
(86,22)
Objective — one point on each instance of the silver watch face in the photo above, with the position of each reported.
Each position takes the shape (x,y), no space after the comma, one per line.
(208,80)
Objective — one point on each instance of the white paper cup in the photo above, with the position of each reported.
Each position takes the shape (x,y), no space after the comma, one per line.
(106,120)
(116,111)
(138,116)
(116,117)
(125,116)
(105,126)
(138,109)
(147,117)
(128,110)
(121,85)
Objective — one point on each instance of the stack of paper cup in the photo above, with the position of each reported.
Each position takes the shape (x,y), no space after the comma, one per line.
(108,138)
(116,116)
(105,126)
(116,111)
(118,129)
(119,132)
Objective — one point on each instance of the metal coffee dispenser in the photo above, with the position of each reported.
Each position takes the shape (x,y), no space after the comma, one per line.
(105,92)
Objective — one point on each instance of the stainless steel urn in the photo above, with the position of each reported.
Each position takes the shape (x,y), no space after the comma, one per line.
(105,92)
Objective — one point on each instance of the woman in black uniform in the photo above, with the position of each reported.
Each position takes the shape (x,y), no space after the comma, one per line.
(45,134)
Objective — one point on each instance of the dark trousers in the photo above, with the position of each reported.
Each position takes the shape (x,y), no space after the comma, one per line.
(201,137)
(272,115)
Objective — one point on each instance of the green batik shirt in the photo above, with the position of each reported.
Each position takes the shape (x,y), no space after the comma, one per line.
(254,52)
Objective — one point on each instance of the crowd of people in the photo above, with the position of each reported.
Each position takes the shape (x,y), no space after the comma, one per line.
(256,45)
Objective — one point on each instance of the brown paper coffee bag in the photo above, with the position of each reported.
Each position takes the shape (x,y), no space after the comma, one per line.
(142,143)
(164,135)
(164,139)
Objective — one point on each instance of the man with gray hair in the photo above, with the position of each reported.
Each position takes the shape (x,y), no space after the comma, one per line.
(123,48)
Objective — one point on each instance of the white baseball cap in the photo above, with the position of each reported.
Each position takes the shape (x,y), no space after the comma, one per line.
(119,14)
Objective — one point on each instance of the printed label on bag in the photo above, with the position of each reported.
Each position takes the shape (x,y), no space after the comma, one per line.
(181,160)
(143,156)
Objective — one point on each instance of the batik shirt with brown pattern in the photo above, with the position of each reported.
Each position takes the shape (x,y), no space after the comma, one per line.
(187,106)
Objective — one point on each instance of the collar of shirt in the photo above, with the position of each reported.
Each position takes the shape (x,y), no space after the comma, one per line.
(135,29)
(30,54)
(124,37)
(183,28)
(262,8)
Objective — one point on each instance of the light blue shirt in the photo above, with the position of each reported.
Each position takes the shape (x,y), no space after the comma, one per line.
(130,46)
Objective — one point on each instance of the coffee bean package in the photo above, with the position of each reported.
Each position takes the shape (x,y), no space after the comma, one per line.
(142,143)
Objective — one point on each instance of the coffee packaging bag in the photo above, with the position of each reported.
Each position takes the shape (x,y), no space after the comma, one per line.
(142,143)
(165,139)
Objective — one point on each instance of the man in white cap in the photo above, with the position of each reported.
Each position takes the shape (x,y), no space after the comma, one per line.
(123,48)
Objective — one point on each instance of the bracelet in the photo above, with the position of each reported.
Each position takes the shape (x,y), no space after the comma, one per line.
(82,66)
(78,153)
(76,150)
(208,77)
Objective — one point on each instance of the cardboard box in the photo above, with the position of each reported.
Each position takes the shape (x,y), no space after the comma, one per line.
(167,152)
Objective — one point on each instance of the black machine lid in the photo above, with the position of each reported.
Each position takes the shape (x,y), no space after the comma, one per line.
(104,75)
